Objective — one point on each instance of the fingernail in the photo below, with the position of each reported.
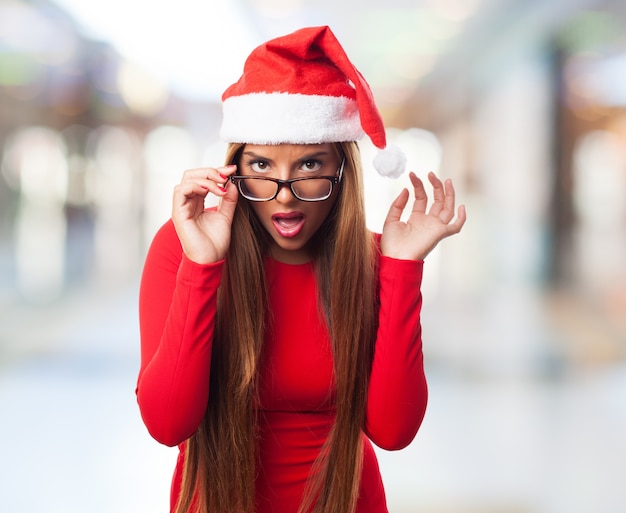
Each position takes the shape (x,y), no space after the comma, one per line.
(223,177)
(223,189)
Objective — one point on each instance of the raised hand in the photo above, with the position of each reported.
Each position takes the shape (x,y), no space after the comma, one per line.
(204,234)
(424,229)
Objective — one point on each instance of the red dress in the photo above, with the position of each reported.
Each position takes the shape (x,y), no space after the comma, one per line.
(177,313)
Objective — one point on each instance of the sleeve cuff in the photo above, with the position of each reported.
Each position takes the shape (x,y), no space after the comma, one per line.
(192,272)
(393,267)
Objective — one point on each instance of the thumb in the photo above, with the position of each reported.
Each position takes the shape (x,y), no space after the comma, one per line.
(228,203)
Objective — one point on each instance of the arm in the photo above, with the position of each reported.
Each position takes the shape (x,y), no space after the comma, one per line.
(177,303)
(397,393)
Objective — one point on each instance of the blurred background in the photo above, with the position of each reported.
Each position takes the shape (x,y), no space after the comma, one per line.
(521,102)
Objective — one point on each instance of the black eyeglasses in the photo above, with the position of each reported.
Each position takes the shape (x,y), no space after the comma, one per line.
(310,188)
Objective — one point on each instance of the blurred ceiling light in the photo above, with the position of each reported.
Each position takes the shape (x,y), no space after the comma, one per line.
(576,74)
(141,91)
(407,47)
(21,27)
(444,30)
(422,147)
(38,158)
(599,184)
(591,30)
(117,155)
(30,30)
(414,30)
(455,10)
(410,68)
(274,8)
(607,80)
(392,96)
(594,85)
(35,163)
(19,70)
(197,48)
(30,41)
(404,65)
(168,151)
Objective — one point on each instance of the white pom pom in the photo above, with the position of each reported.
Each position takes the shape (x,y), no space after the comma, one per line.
(390,162)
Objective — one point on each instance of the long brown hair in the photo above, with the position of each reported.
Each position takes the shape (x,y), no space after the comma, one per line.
(219,469)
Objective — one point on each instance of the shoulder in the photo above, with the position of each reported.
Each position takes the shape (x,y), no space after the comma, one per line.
(166,236)
(165,248)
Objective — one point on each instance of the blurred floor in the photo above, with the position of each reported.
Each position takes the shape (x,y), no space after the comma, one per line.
(72,438)
(73,441)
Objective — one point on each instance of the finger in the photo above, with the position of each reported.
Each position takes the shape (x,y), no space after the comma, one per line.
(186,191)
(438,194)
(200,173)
(223,180)
(225,171)
(421,198)
(211,179)
(214,174)
(447,212)
(188,200)
(458,223)
(397,207)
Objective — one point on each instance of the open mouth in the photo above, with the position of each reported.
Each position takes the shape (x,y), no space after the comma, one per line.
(288,224)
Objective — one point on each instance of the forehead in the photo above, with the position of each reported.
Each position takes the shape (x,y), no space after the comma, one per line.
(290,151)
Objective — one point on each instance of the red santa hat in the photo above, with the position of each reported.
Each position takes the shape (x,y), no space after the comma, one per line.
(303,89)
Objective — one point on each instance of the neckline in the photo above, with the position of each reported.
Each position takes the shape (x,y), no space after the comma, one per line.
(278,263)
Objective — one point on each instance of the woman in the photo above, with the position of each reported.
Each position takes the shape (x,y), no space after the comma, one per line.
(279,336)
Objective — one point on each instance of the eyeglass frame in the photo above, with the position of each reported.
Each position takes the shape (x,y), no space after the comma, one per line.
(334,180)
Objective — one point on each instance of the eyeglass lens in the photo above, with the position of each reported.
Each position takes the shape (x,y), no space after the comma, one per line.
(311,188)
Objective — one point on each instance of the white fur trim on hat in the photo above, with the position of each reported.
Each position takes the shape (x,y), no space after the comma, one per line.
(283,118)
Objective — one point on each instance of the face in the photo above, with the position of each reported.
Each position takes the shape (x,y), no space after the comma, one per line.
(291,222)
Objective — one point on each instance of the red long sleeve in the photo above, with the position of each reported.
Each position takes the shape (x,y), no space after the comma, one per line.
(177,305)
(398,392)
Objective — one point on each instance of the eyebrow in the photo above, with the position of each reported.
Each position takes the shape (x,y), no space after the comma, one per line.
(317,154)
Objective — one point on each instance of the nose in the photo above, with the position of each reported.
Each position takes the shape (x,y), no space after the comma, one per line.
(284,189)
(284,194)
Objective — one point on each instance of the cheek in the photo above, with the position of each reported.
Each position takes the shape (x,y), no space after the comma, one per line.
(262,211)
(323,212)
(328,207)
(317,218)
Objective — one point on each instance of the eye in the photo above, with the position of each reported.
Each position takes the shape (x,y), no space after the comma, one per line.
(311,165)
(258,166)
